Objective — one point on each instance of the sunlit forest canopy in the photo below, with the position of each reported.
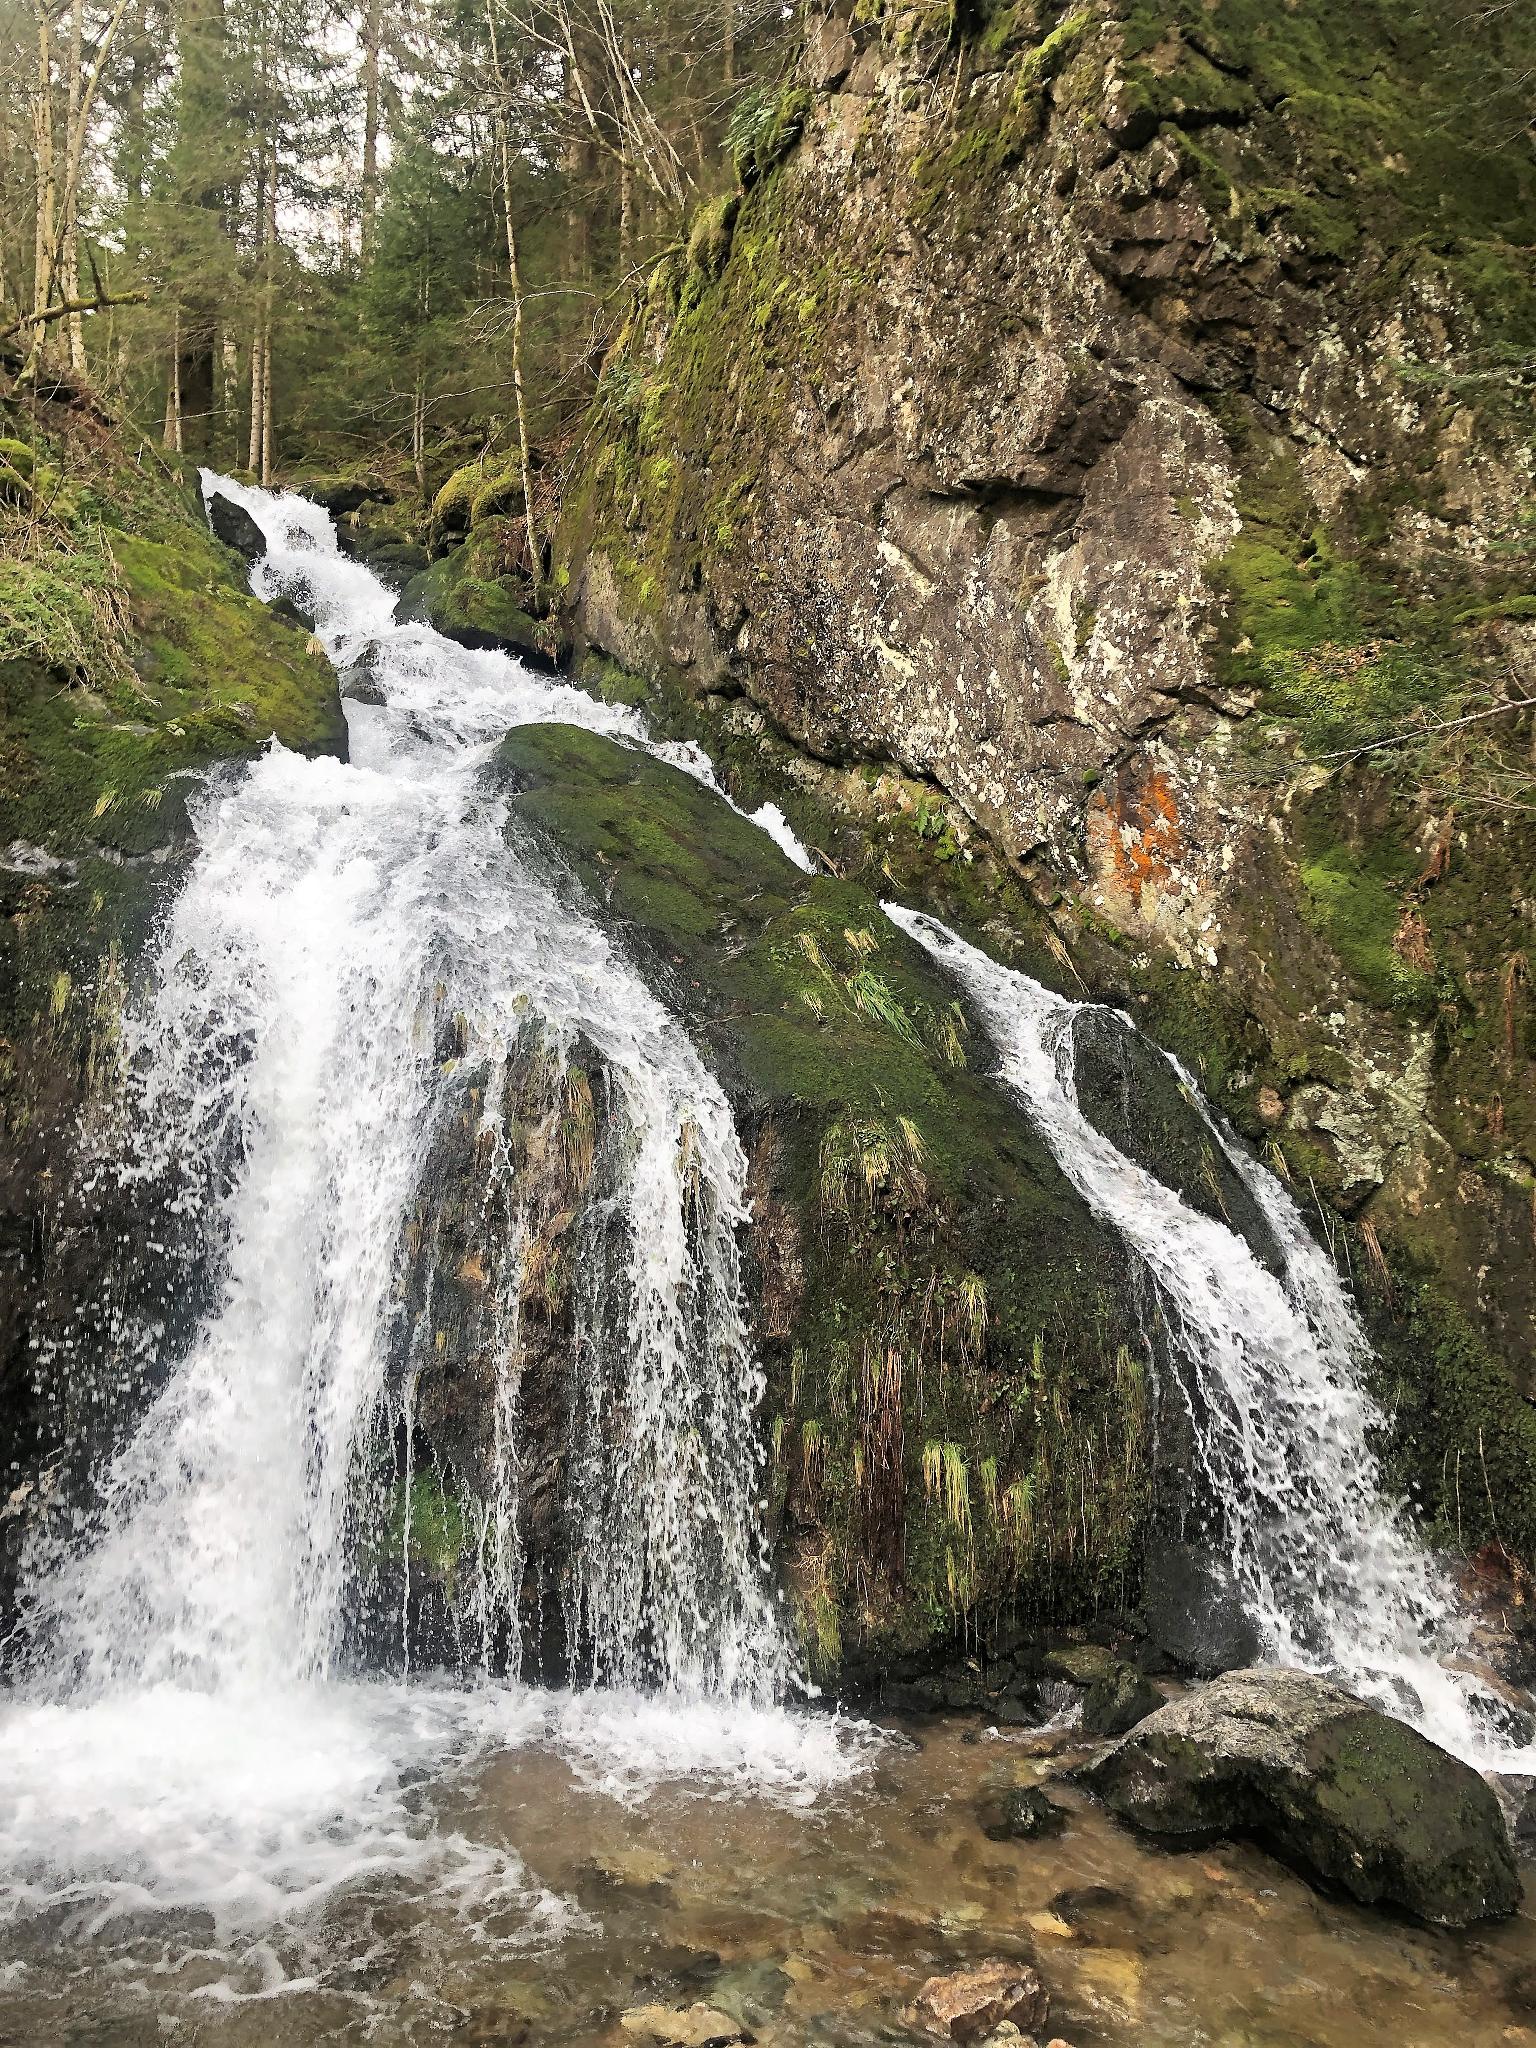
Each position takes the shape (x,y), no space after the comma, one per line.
(298,234)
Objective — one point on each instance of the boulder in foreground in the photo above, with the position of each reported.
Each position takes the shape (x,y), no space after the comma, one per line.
(1337,1788)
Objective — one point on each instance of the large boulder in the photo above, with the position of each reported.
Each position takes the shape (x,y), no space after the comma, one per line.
(233,525)
(1339,1789)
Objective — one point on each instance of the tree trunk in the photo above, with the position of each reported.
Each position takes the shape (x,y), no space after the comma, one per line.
(229,395)
(515,282)
(69,266)
(372,38)
(172,435)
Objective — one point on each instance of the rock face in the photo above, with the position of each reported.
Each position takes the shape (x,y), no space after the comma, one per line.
(1122,443)
(1343,1791)
(917,1255)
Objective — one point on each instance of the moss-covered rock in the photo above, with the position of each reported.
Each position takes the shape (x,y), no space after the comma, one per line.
(957,1408)
(1343,1791)
(472,596)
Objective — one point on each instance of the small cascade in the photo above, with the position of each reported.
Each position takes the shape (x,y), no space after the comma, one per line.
(360,975)
(1269,1362)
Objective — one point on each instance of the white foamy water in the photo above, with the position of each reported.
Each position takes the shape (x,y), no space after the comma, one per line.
(1328,1566)
(185,1736)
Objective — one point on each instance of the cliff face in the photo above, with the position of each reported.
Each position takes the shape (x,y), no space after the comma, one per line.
(1089,435)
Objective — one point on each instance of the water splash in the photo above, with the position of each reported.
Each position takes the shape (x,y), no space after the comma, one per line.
(1328,1567)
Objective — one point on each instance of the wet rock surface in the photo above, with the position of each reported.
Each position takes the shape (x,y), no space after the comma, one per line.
(981,2003)
(233,525)
(1344,1792)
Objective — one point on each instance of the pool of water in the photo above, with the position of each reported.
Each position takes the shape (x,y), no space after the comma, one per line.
(813,1919)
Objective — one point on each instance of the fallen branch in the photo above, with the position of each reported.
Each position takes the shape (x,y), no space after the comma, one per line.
(1421,732)
(66,307)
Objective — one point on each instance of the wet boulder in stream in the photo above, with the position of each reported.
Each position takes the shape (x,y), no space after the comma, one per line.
(233,525)
(1345,1793)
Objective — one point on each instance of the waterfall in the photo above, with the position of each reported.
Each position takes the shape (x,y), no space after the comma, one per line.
(359,957)
(1328,1566)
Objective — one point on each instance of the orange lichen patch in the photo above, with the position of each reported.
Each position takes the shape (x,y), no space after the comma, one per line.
(1134,835)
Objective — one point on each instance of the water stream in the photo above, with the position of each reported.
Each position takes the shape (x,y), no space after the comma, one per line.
(188,1733)
(1329,1568)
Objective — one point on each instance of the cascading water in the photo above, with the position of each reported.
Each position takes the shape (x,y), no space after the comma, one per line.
(1328,1568)
(185,1706)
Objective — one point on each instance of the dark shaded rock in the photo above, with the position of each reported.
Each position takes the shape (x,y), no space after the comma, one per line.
(395,562)
(1116,1695)
(1339,1789)
(1193,1612)
(1131,1093)
(1120,1699)
(233,525)
(344,495)
(1020,1813)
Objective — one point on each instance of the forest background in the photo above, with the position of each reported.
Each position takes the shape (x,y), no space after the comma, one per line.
(276,236)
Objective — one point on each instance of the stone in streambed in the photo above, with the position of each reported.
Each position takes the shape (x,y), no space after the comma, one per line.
(692,2026)
(1337,1788)
(1116,1694)
(976,2004)
(1020,1813)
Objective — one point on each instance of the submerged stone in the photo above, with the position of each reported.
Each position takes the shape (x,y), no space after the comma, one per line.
(973,2004)
(1342,1791)
(1021,1813)
(693,2026)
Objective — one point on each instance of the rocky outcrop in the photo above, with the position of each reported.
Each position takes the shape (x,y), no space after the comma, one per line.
(1130,428)
(957,1428)
(1348,1794)
(464,595)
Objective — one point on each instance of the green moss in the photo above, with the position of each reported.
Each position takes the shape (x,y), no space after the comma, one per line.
(1461,1443)
(428,1525)
(142,658)
(1354,903)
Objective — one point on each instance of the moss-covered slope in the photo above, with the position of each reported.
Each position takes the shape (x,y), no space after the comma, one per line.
(957,1405)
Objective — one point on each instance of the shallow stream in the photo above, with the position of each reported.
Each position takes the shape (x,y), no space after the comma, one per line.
(810,1921)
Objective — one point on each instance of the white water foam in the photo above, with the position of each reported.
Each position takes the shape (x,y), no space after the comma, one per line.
(1329,1569)
(183,1738)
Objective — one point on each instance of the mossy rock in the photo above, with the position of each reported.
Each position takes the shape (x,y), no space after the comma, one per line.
(469,596)
(960,1429)
(500,496)
(1347,1794)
